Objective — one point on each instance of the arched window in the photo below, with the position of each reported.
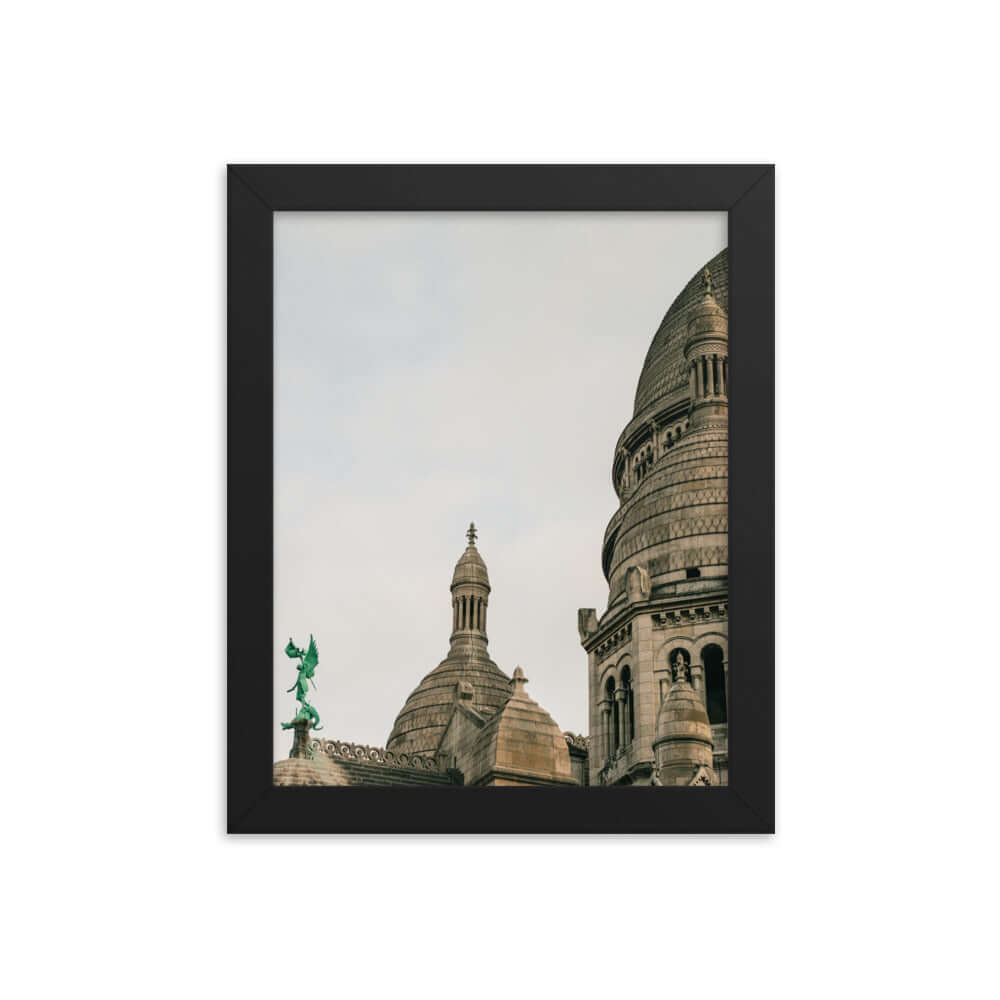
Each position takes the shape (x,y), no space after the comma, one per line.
(613,743)
(715,683)
(629,703)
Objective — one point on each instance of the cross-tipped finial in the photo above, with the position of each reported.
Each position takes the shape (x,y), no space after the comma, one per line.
(706,281)
(471,533)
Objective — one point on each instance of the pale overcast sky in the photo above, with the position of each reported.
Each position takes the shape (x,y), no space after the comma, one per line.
(436,369)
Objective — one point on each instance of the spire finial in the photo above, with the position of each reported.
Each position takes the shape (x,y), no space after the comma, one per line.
(471,533)
(706,281)
(517,681)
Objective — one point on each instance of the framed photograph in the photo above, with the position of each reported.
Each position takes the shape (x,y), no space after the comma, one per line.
(498,512)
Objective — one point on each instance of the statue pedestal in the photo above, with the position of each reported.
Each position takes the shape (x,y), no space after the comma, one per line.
(300,742)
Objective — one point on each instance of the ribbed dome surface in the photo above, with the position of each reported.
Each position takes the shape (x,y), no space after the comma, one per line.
(422,721)
(664,372)
(470,568)
(678,516)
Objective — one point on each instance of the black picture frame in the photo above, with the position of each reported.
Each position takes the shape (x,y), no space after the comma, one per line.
(255,192)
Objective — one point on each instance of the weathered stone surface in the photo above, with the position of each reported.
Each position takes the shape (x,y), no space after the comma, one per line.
(670,469)
(519,744)
(302,771)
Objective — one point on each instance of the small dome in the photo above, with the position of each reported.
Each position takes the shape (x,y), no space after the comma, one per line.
(471,569)
(707,318)
(682,716)
(683,743)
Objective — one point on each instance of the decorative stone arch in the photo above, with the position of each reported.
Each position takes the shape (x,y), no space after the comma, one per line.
(612,670)
(710,639)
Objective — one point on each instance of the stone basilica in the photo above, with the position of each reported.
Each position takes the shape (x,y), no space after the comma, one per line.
(657,657)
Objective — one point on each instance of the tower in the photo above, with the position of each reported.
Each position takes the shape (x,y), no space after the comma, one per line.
(665,553)
(424,717)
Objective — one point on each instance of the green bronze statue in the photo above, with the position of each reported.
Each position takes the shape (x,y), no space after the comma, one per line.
(307,667)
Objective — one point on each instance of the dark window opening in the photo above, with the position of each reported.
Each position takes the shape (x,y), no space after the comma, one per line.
(630,701)
(715,683)
(693,572)
(610,688)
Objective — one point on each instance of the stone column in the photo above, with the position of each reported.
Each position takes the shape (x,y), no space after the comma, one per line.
(699,377)
(722,375)
(606,716)
(698,680)
(694,380)
(710,363)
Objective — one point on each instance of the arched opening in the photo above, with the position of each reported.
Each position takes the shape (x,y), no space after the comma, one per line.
(609,689)
(629,703)
(715,683)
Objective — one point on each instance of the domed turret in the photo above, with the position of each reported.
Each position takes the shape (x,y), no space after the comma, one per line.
(421,722)
(683,742)
(471,568)
(706,352)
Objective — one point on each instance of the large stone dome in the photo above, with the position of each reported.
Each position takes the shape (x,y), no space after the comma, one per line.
(664,374)
(670,469)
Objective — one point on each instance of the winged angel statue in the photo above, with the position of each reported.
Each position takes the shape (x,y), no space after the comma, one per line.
(307,667)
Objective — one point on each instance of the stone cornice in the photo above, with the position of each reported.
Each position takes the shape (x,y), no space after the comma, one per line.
(666,612)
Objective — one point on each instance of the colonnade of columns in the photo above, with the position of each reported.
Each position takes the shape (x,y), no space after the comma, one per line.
(709,374)
(616,713)
(468,613)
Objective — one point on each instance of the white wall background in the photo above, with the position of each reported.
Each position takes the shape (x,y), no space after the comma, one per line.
(117,876)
